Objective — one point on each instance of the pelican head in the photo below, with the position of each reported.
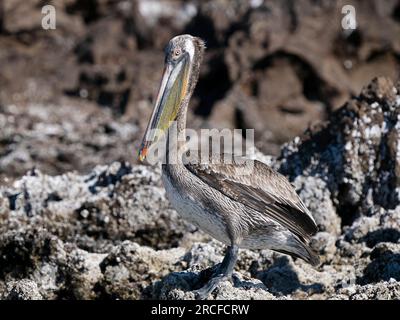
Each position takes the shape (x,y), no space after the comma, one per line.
(182,61)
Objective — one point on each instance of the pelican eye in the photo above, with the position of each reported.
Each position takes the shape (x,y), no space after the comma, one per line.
(176,53)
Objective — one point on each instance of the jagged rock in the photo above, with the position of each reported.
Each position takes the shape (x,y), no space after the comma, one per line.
(179,286)
(354,154)
(200,260)
(325,244)
(317,198)
(108,205)
(385,264)
(83,271)
(384,290)
(111,233)
(22,290)
(129,268)
(62,138)
(34,254)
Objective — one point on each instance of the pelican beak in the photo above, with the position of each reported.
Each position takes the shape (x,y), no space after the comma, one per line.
(173,90)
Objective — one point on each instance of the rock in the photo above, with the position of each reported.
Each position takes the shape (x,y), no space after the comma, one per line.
(24,289)
(202,255)
(325,244)
(385,264)
(130,268)
(106,206)
(84,273)
(111,233)
(384,290)
(317,198)
(33,254)
(52,140)
(179,286)
(347,156)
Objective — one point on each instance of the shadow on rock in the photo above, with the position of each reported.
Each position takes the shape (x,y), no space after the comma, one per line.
(281,279)
(382,235)
(385,264)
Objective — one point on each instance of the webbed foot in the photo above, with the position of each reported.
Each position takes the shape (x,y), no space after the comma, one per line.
(223,272)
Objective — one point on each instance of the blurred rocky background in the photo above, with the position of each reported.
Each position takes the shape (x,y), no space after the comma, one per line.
(81,94)
(79,218)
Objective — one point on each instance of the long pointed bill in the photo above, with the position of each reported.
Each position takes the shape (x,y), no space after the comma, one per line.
(172,91)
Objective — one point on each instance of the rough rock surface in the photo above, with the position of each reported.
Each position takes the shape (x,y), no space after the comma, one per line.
(112,234)
(61,138)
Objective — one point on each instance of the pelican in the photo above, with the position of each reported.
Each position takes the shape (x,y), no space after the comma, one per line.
(257,210)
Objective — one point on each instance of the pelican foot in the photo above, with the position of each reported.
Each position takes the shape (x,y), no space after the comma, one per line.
(208,288)
(223,272)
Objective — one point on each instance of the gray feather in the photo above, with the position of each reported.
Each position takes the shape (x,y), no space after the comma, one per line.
(263,190)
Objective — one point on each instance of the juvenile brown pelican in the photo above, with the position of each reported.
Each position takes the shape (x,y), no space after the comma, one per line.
(255,210)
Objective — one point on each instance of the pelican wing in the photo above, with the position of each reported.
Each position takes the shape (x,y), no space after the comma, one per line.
(259,187)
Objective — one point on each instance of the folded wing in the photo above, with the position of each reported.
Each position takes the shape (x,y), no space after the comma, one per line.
(260,188)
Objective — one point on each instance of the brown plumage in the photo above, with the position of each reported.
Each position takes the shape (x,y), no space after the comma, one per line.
(263,190)
(242,204)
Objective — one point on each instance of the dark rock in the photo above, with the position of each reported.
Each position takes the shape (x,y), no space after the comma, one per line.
(385,264)
(352,154)
(22,290)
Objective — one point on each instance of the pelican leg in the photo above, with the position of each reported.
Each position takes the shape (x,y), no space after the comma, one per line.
(224,271)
